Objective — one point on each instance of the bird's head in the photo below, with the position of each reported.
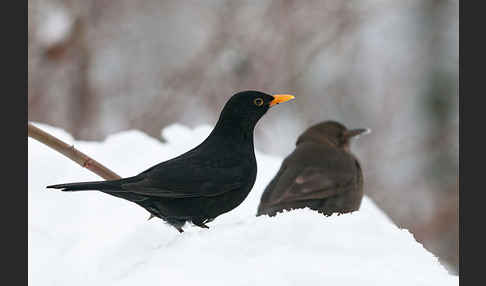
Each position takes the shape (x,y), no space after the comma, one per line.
(332,133)
(247,107)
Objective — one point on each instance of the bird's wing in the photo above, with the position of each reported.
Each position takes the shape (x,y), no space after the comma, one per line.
(186,179)
(296,182)
(312,184)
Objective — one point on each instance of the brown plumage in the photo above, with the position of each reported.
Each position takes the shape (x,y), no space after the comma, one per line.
(321,173)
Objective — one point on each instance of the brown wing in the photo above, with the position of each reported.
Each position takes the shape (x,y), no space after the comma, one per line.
(311,174)
(313,184)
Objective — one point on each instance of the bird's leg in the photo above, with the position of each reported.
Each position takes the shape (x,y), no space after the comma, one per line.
(176,223)
(200,224)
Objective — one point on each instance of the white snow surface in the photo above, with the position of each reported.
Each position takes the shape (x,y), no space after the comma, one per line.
(90,238)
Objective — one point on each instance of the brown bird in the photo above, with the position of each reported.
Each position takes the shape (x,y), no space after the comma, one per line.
(321,174)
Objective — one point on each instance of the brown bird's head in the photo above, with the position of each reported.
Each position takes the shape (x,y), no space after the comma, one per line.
(331,133)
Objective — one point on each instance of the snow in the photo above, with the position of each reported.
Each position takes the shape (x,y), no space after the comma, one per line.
(90,238)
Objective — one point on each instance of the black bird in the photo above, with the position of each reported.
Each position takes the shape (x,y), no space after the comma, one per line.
(321,174)
(207,181)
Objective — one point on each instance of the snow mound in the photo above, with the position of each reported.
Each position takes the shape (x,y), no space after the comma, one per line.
(90,238)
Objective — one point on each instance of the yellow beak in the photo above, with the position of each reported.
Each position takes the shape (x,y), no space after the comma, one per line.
(279,98)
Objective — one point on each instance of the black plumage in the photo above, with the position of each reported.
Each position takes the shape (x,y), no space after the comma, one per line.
(207,181)
(321,174)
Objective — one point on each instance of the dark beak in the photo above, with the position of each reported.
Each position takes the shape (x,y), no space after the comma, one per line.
(356,132)
(279,98)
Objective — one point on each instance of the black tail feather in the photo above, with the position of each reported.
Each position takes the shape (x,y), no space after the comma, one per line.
(87,186)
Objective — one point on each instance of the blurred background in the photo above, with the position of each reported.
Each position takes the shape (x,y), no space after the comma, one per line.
(97,67)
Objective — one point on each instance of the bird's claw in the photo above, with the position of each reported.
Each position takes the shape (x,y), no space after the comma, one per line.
(200,224)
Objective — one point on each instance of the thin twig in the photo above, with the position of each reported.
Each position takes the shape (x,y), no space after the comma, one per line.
(72,153)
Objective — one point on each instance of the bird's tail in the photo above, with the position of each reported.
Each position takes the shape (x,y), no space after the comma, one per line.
(88,186)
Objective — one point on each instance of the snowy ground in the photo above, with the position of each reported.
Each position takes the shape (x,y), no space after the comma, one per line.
(89,238)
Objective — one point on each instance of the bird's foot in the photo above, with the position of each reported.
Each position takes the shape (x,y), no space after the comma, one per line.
(151,217)
(208,220)
(176,223)
(200,224)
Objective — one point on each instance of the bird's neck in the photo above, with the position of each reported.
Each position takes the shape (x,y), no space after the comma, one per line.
(236,134)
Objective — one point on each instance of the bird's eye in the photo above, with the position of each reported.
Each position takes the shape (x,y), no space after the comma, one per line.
(258,101)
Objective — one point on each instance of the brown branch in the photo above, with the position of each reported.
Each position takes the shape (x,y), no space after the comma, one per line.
(72,153)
